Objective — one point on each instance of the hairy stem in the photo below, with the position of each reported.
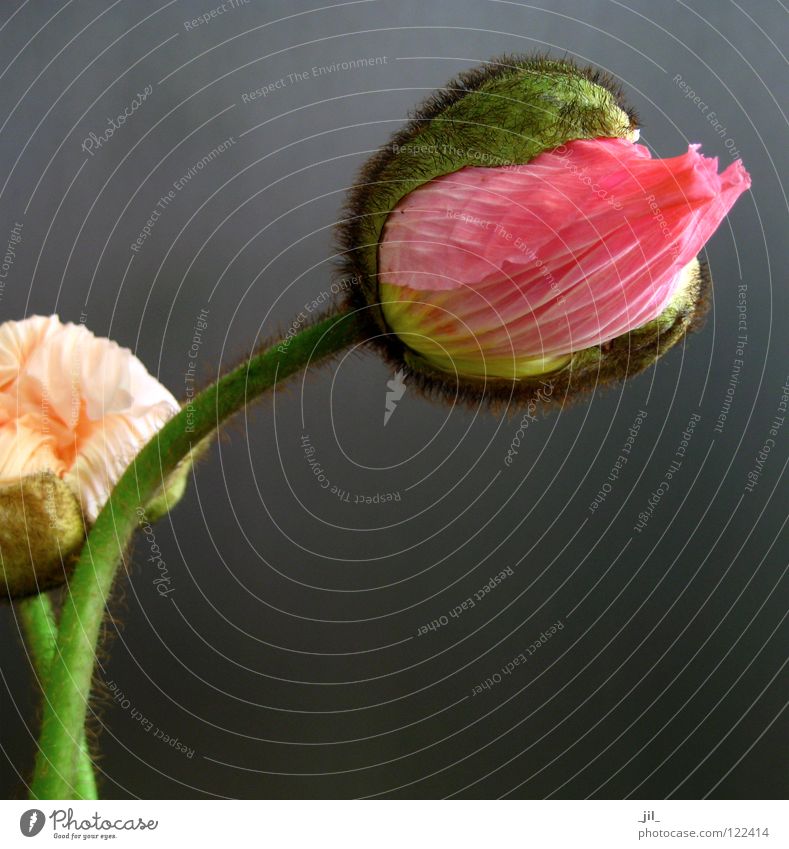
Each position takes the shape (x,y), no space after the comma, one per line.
(69,681)
(41,631)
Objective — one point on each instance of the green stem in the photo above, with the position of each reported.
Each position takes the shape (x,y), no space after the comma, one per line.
(41,630)
(69,682)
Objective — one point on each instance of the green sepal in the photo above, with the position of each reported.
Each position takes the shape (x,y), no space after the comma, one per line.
(172,490)
(41,531)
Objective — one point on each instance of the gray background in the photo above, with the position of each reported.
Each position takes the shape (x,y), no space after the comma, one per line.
(287,655)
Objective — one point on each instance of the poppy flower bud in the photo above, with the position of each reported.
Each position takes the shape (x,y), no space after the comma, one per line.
(515,232)
(74,411)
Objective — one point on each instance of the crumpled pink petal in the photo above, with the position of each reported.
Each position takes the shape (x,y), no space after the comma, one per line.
(580,245)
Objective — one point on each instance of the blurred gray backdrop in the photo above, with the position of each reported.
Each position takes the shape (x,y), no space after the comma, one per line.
(307,648)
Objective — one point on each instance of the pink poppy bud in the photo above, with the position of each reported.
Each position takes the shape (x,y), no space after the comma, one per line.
(506,272)
(74,411)
(514,232)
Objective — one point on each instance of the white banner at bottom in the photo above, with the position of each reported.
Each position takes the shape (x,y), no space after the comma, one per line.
(397,824)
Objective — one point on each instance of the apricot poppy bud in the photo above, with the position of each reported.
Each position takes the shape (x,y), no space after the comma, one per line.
(546,242)
(74,411)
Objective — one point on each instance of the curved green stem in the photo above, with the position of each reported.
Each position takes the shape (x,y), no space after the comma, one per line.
(41,631)
(68,685)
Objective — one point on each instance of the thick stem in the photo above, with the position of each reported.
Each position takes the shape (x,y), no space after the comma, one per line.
(41,631)
(68,685)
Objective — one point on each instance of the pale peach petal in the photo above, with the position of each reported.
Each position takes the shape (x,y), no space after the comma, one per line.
(25,449)
(75,404)
(18,339)
(88,375)
(107,451)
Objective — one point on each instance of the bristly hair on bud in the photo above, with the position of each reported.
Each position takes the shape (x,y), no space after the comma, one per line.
(504,113)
